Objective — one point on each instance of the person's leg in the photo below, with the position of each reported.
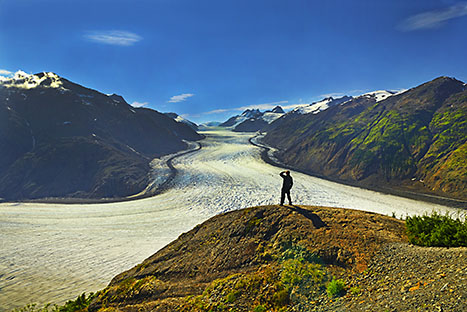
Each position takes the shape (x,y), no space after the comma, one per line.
(282,196)
(288,197)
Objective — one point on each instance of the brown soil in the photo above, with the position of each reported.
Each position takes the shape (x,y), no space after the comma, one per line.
(248,241)
(403,277)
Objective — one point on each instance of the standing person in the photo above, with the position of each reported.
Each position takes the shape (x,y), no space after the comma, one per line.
(286,186)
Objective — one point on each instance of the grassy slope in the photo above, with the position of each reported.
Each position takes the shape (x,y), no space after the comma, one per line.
(385,142)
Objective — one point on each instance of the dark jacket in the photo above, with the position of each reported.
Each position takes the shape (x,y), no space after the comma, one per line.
(288,181)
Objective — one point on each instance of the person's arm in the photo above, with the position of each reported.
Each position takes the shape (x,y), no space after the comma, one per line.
(282,174)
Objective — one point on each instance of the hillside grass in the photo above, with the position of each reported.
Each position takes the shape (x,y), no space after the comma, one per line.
(79,304)
(295,274)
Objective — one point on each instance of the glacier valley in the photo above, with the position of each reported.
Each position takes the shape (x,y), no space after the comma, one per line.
(55,252)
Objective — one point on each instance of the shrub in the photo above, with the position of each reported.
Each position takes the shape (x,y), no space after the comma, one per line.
(355,290)
(232,296)
(436,230)
(259,308)
(335,288)
(80,303)
(281,298)
(296,273)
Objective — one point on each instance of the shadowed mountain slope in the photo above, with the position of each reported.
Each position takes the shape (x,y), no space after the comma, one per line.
(60,139)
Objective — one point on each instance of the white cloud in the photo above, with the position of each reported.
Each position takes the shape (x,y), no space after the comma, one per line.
(114,37)
(433,19)
(341,94)
(139,104)
(180,98)
(5,72)
(187,116)
(336,94)
(218,111)
(295,106)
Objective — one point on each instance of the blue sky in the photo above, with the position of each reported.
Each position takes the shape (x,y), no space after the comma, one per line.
(210,59)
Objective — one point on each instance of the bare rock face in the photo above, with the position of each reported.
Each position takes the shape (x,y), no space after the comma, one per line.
(238,259)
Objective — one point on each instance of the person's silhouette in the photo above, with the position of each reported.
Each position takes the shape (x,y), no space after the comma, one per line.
(286,186)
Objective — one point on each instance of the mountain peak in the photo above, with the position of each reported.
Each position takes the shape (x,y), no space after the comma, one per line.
(379,95)
(117,98)
(251,113)
(278,110)
(23,80)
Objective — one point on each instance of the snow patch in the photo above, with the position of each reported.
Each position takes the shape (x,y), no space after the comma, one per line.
(313,108)
(269,117)
(22,80)
(379,95)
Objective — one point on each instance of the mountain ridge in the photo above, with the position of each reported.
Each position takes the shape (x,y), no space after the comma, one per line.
(65,140)
(384,142)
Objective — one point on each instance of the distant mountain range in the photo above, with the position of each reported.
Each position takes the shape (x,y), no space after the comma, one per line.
(253,120)
(60,139)
(413,140)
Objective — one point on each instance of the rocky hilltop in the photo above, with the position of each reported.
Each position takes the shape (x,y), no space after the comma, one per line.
(263,258)
(60,139)
(284,258)
(415,140)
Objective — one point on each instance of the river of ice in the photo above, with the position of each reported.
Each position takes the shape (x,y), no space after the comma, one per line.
(55,252)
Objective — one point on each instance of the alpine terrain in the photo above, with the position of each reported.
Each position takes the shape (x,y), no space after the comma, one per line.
(253,120)
(60,139)
(415,140)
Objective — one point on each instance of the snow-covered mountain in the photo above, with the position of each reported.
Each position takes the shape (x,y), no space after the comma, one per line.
(180,119)
(22,80)
(238,119)
(60,139)
(270,116)
(379,95)
(209,124)
(316,107)
(253,120)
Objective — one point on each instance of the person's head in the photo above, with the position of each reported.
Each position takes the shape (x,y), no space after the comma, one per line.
(287,172)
